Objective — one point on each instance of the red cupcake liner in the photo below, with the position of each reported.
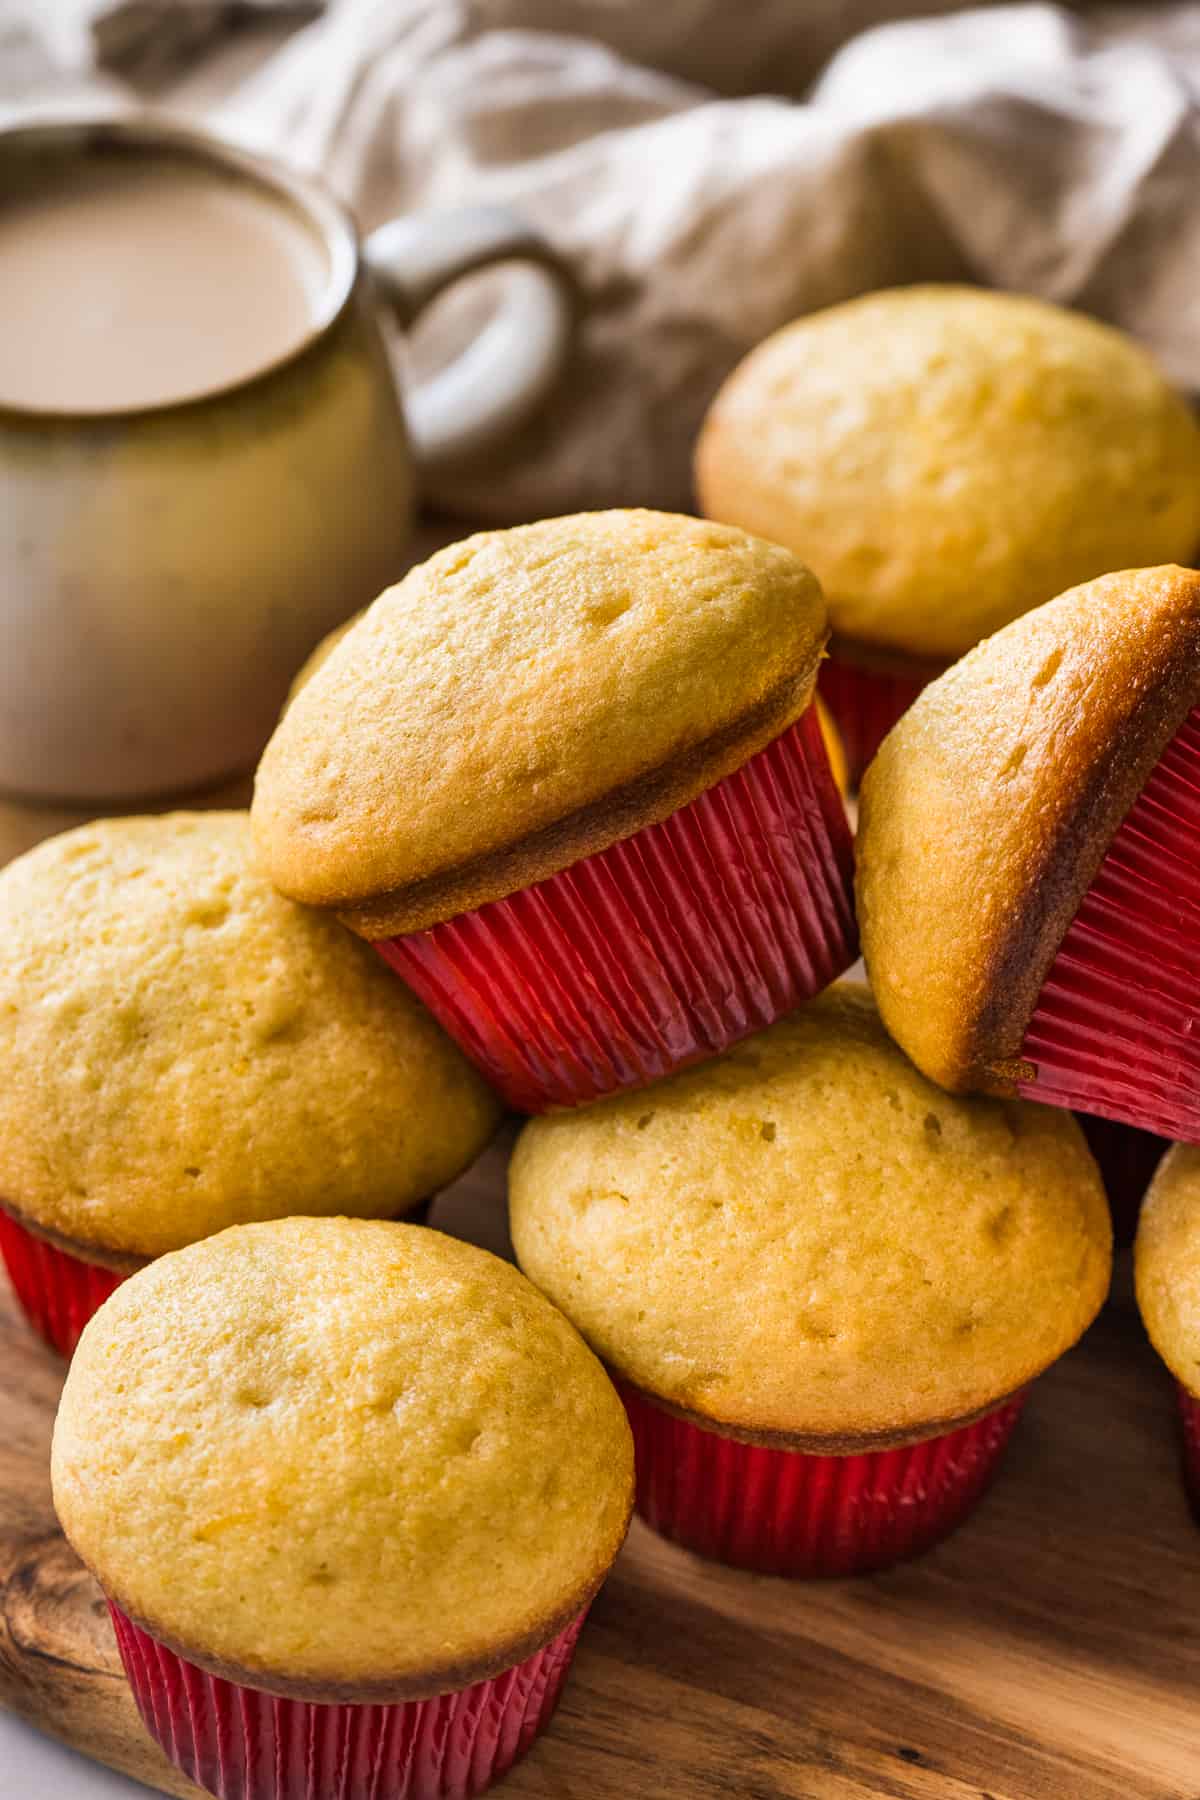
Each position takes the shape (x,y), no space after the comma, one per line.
(58,1292)
(865,704)
(659,951)
(1116,1029)
(1127,1159)
(785,1512)
(242,1744)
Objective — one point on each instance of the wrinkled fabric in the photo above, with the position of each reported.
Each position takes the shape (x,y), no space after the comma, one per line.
(1027,146)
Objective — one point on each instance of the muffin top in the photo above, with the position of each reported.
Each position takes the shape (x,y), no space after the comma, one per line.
(947,458)
(341,1458)
(805,1242)
(991,804)
(524,699)
(1167,1263)
(321,655)
(182,1049)
(835,750)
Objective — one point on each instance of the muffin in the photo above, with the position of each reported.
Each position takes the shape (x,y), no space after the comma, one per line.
(1167,1270)
(569,780)
(321,655)
(947,459)
(835,750)
(1029,877)
(349,1488)
(181,1049)
(822,1286)
(24,825)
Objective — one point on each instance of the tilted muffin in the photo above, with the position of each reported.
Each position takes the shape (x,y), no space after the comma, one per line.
(1167,1268)
(947,458)
(1029,859)
(357,1465)
(569,779)
(321,655)
(803,1251)
(831,737)
(182,1049)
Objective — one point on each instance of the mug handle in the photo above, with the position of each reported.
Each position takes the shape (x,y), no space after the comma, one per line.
(502,375)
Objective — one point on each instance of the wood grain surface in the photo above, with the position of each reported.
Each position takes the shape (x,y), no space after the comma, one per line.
(1050,1651)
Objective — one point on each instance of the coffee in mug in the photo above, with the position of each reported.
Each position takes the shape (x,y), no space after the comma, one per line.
(204,462)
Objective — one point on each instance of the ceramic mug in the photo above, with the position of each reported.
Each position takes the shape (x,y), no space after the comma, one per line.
(166,568)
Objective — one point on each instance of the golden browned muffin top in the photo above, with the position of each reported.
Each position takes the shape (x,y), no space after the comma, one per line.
(991,804)
(831,736)
(805,1241)
(321,655)
(947,458)
(182,1049)
(524,699)
(341,1458)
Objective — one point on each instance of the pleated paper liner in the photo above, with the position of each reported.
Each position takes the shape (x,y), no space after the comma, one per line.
(1116,1030)
(865,703)
(1189,1420)
(242,1744)
(1127,1159)
(659,951)
(785,1512)
(58,1292)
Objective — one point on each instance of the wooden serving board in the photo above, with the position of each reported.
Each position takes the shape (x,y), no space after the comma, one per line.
(1049,1651)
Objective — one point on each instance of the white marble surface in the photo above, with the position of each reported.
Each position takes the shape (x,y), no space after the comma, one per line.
(33,1768)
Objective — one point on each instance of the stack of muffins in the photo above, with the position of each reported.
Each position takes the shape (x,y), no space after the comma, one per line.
(556,825)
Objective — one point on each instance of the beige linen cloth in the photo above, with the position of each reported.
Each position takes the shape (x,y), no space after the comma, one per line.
(712,168)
